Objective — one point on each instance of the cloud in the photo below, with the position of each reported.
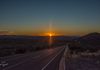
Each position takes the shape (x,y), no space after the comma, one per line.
(5,32)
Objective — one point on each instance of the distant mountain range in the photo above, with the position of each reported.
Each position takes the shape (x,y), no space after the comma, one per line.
(22,37)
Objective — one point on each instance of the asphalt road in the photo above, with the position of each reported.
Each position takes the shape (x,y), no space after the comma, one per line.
(47,59)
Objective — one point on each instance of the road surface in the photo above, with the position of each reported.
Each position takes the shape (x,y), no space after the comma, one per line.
(47,59)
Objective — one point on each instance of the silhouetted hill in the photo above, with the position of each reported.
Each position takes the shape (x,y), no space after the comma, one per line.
(90,42)
(94,35)
(92,38)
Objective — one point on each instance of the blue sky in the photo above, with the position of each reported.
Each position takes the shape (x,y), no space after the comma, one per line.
(68,17)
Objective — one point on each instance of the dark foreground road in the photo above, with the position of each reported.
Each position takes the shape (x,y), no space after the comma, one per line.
(42,60)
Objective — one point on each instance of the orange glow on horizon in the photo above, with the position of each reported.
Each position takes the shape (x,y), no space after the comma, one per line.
(50,34)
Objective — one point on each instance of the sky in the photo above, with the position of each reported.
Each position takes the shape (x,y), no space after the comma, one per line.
(34,17)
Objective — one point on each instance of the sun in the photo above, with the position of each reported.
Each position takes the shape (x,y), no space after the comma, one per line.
(50,34)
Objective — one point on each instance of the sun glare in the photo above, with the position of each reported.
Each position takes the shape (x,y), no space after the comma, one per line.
(50,34)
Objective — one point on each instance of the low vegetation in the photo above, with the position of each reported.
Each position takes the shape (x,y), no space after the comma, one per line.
(11,45)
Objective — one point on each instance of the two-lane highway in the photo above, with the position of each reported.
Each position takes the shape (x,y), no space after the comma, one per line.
(47,59)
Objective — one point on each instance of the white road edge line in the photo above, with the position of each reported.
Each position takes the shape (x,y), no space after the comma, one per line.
(62,65)
(51,60)
(66,49)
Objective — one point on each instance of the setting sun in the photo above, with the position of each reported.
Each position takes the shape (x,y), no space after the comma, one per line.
(50,34)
